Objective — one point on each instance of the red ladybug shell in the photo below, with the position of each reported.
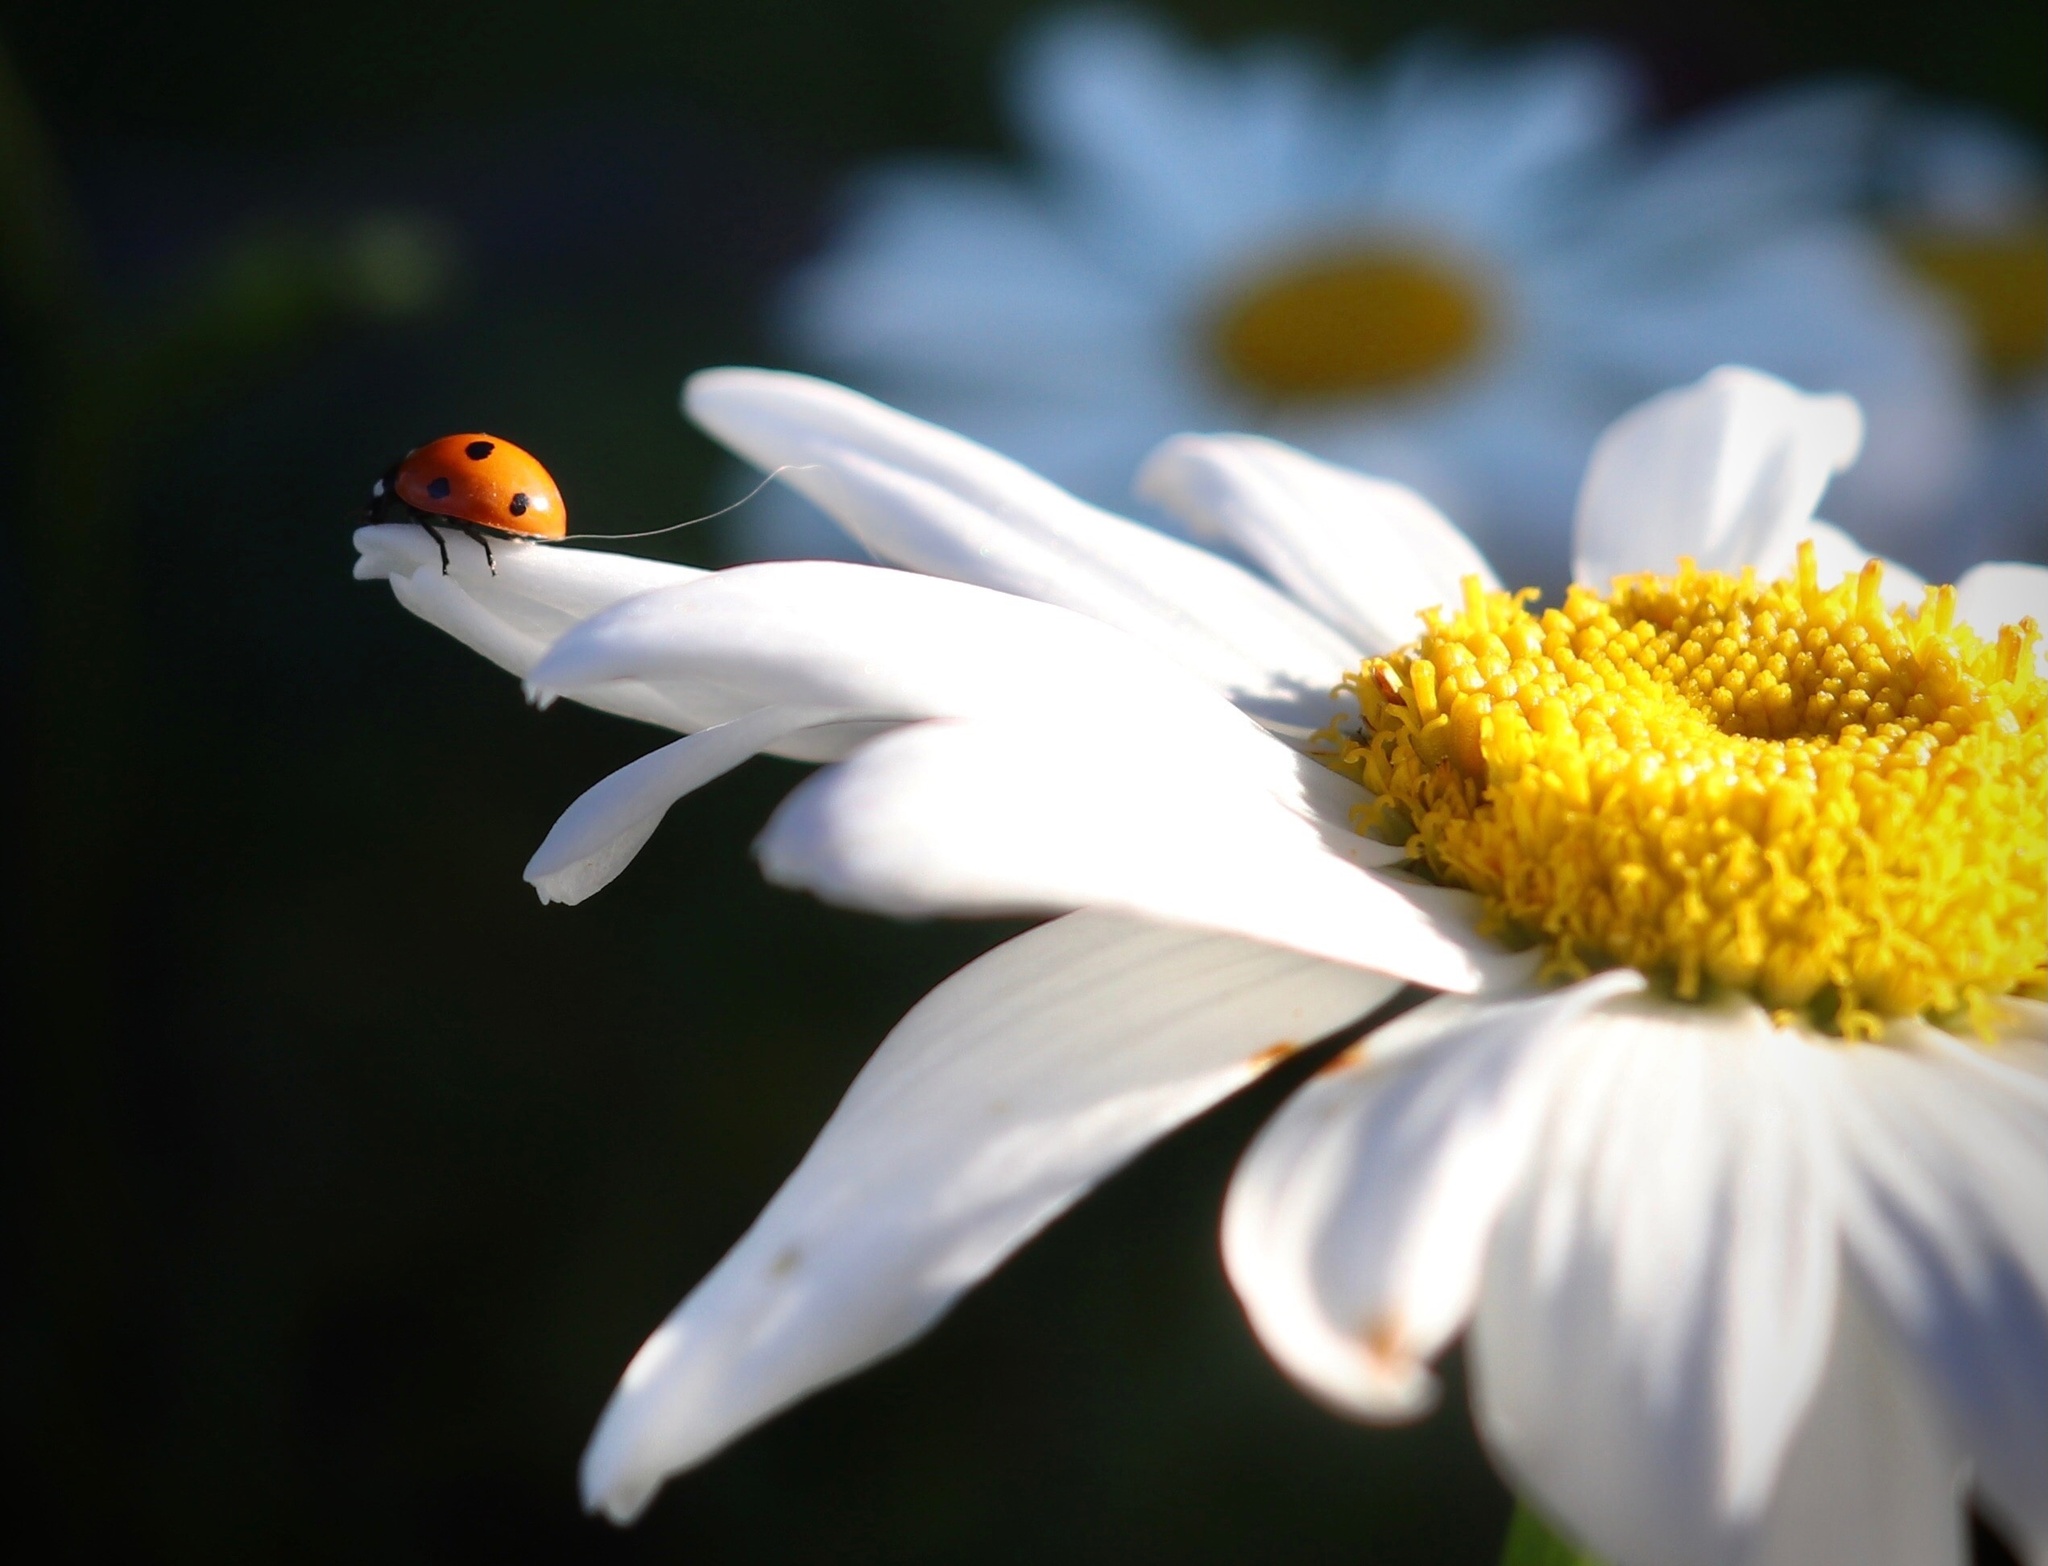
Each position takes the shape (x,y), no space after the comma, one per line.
(484,481)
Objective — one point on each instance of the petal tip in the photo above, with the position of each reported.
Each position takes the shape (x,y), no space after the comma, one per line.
(710,384)
(589,847)
(583,656)
(1176,471)
(609,1488)
(709,394)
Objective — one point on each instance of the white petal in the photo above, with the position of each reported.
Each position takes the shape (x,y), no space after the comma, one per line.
(1169,157)
(2022,1041)
(2003,592)
(1761,162)
(2000,513)
(922,497)
(1178,161)
(1366,555)
(1482,142)
(863,640)
(1003,1096)
(1950,1225)
(1822,306)
(1960,168)
(538,593)
(2013,1060)
(1658,1302)
(1871,1479)
(980,818)
(598,836)
(961,277)
(541,588)
(1722,471)
(1356,1225)
(1836,555)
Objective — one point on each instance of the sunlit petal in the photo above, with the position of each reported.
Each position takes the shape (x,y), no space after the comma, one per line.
(513,615)
(863,640)
(599,835)
(997,1101)
(923,497)
(1950,1226)
(971,818)
(2003,592)
(1872,1478)
(1357,1224)
(1659,1300)
(1366,555)
(1724,471)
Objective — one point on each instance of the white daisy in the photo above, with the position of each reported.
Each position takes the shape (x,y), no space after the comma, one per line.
(1453,270)
(1738,1284)
(1966,200)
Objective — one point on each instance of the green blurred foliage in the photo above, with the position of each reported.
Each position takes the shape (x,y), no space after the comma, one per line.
(389,1168)
(1532,1542)
(855,77)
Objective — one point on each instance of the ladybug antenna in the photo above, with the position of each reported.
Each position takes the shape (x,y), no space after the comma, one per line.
(676,527)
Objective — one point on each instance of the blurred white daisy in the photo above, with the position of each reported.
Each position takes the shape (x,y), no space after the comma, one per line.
(1966,200)
(1747,1233)
(1452,270)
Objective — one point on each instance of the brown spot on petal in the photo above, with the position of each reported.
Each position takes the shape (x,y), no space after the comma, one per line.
(1271,1055)
(786,1263)
(1385,1339)
(1347,1057)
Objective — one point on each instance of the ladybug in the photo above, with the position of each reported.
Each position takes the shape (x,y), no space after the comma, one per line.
(478,485)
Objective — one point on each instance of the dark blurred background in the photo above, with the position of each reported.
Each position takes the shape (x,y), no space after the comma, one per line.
(343,1177)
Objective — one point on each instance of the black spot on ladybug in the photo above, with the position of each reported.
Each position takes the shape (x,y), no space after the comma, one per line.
(518,506)
(477,450)
(438,489)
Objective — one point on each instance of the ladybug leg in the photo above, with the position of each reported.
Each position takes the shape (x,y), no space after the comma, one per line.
(481,537)
(440,543)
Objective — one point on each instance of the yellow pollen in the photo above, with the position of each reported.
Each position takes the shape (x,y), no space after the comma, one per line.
(1997,282)
(1349,324)
(1835,806)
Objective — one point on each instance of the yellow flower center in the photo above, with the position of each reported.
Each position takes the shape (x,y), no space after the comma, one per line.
(1350,324)
(1998,282)
(1835,806)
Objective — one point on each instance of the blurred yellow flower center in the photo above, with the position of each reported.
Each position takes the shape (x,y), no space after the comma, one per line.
(1800,793)
(1998,282)
(1350,324)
